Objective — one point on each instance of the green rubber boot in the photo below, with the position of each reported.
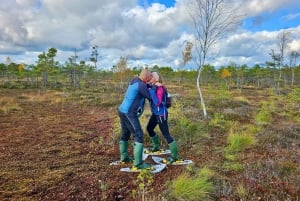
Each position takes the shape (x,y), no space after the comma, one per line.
(174,152)
(124,152)
(138,156)
(155,143)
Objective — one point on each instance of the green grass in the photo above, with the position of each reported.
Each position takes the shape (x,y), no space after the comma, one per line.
(239,142)
(192,188)
(8,104)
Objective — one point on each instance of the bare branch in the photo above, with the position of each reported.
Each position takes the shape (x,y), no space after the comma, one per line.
(212,19)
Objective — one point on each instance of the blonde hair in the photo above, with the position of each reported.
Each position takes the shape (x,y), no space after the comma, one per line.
(145,75)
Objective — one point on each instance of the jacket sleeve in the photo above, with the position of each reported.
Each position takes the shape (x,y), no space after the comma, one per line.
(140,109)
(156,95)
(153,96)
(143,89)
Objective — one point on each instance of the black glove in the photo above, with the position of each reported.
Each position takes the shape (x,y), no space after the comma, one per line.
(139,111)
(149,85)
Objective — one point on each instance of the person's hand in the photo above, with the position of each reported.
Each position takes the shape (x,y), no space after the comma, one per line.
(158,84)
(140,111)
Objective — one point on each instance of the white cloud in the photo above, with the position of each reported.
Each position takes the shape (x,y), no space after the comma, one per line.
(26,3)
(295,43)
(257,7)
(291,16)
(251,48)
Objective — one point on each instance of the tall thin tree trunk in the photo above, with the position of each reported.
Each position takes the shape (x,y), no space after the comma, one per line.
(293,77)
(200,94)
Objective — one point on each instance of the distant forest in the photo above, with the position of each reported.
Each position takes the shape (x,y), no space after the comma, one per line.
(50,73)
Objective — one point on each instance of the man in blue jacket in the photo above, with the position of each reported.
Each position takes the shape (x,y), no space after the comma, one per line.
(129,112)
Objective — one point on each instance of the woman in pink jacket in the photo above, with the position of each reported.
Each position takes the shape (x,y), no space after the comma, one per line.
(159,117)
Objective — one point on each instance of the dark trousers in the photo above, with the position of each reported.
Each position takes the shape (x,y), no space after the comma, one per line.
(130,124)
(162,122)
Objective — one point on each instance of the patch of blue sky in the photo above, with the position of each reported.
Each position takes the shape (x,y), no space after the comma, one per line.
(146,3)
(272,21)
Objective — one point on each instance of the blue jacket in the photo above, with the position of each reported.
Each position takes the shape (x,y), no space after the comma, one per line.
(158,100)
(134,98)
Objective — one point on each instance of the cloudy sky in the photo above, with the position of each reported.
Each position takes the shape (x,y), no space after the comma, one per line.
(147,32)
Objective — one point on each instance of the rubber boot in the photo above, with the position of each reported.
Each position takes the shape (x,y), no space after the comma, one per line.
(155,143)
(124,152)
(138,156)
(174,152)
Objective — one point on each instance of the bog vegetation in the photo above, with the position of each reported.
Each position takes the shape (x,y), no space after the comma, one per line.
(248,148)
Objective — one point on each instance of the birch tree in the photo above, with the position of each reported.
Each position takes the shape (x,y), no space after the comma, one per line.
(283,40)
(293,55)
(211,19)
(121,68)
